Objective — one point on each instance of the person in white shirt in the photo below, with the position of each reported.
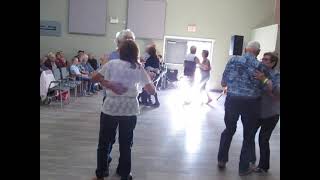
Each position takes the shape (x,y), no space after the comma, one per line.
(205,69)
(121,36)
(122,109)
(190,63)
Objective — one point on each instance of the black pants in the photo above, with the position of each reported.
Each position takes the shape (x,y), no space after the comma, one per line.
(108,129)
(113,139)
(248,109)
(267,125)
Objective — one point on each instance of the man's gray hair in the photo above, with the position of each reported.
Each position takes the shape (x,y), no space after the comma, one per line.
(254,45)
(193,49)
(121,35)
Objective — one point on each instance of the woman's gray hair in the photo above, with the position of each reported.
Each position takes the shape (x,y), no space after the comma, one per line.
(122,35)
(51,54)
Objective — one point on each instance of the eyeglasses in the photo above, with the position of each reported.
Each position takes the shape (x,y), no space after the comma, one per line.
(265,59)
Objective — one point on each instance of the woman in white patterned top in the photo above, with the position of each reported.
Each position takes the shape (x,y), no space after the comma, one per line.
(121,109)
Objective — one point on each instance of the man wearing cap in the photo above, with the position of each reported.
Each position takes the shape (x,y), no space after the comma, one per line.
(243,99)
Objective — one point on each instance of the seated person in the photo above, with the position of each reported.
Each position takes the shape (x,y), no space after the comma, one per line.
(50,63)
(86,68)
(152,65)
(75,71)
(93,62)
(80,53)
(42,66)
(60,60)
(90,69)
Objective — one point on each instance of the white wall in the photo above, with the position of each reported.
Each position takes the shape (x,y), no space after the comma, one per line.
(214,19)
(57,10)
(267,37)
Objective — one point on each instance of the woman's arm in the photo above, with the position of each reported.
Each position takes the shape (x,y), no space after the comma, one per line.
(116,87)
(150,88)
(97,77)
(267,82)
(205,66)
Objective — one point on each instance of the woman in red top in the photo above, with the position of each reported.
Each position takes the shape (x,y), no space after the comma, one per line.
(60,60)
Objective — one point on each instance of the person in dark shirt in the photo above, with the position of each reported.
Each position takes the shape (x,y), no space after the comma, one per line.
(42,66)
(50,63)
(80,53)
(153,66)
(153,60)
(93,62)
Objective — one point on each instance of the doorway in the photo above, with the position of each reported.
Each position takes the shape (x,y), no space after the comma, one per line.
(176,48)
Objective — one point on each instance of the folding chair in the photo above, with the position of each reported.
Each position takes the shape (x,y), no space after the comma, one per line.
(61,87)
(69,81)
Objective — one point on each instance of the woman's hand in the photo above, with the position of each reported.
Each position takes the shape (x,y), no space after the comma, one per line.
(204,67)
(260,75)
(116,87)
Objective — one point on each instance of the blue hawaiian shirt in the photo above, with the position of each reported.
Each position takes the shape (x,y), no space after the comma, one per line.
(114,55)
(239,76)
(86,67)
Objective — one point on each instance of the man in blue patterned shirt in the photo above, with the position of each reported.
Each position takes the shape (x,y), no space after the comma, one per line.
(243,99)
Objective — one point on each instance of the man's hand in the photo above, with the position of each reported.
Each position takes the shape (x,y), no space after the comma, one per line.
(116,87)
(142,60)
(151,74)
(260,75)
(84,72)
(225,90)
(94,73)
(85,75)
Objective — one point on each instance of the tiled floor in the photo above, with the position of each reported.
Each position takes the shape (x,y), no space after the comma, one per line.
(172,142)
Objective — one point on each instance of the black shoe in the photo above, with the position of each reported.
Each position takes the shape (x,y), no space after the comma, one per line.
(96,178)
(260,170)
(246,172)
(106,173)
(118,171)
(222,164)
(129,177)
(252,165)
